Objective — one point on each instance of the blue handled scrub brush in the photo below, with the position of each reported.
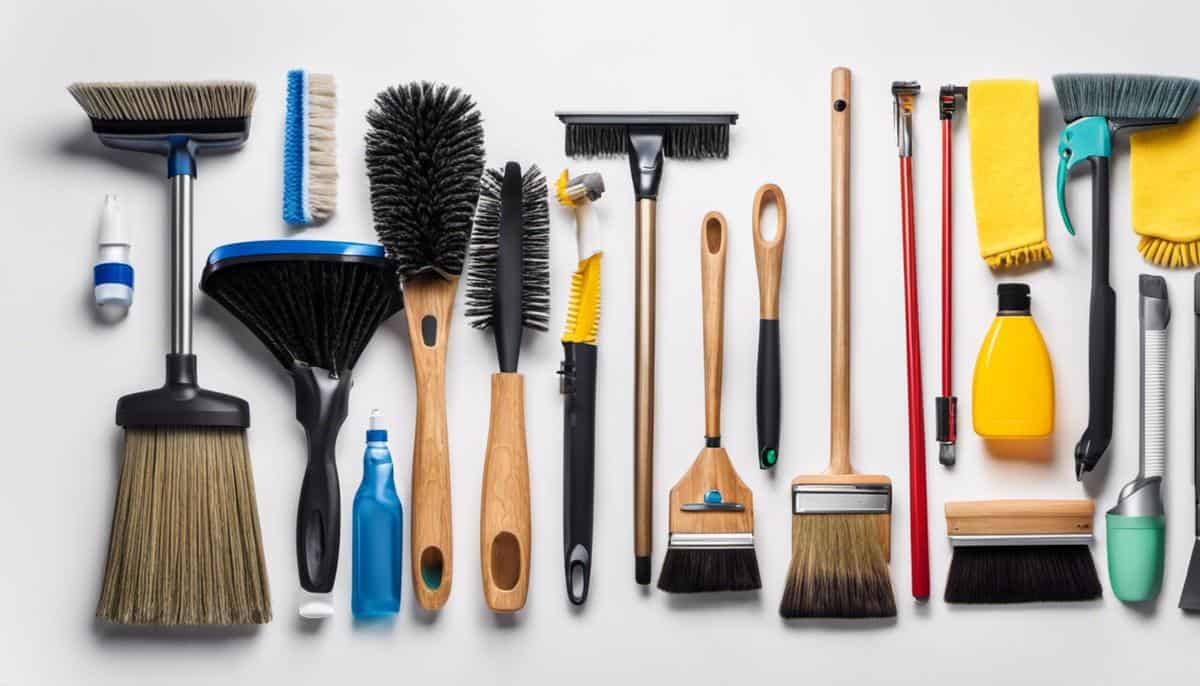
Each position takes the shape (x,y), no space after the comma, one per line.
(309,148)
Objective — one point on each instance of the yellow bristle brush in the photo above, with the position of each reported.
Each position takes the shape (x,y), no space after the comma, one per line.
(578,387)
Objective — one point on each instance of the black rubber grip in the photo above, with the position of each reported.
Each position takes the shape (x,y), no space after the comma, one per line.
(321,406)
(768,395)
(1102,319)
(579,448)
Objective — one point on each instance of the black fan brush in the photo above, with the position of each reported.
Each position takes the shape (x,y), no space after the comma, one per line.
(315,305)
(424,159)
(508,290)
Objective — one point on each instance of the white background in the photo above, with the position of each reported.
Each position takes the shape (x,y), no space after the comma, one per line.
(768,61)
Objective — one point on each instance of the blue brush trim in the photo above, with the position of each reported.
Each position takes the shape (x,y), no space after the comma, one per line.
(181,157)
(112,272)
(293,247)
(295,151)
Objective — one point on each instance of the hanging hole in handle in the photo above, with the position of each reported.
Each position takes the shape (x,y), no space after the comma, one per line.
(506,561)
(433,567)
(714,232)
(770,215)
(577,582)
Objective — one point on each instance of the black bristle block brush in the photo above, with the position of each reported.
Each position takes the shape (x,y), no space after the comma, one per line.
(315,305)
(508,290)
(646,138)
(185,546)
(424,159)
(711,543)
(1096,106)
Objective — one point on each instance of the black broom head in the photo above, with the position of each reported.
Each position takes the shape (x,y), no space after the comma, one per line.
(424,159)
(1022,574)
(685,135)
(316,303)
(1125,96)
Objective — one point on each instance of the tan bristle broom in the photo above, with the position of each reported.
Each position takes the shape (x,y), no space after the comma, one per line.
(841,521)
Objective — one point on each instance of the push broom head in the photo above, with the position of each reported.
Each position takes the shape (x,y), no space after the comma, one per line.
(424,160)
(841,538)
(1021,551)
(646,137)
(150,116)
(508,280)
(1125,99)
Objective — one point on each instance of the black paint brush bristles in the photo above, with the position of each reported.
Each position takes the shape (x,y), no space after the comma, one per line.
(424,158)
(1125,96)
(687,570)
(1022,574)
(508,280)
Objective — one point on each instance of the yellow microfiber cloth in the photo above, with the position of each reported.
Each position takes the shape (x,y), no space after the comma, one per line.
(1165,171)
(1006,172)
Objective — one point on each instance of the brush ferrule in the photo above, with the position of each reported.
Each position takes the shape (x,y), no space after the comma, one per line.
(841,499)
(646,160)
(1011,540)
(711,541)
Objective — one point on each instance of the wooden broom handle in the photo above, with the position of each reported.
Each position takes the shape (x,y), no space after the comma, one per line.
(839,200)
(712,281)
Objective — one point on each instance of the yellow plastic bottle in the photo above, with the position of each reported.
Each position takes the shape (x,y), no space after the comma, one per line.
(1012,396)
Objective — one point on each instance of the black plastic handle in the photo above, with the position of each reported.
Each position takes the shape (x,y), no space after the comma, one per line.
(1196,402)
(579,449)
(322,400)
(1102,319)
(768,397)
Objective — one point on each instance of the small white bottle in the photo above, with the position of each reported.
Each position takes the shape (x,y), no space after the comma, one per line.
(113,274)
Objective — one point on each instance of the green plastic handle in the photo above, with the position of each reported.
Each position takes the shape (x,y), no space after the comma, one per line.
(1080,140)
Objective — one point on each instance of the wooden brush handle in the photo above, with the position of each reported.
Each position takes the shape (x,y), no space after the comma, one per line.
(1019,516)
(768,255)
(504,521)
(427,304)
(643,394)
(839,202)
(712,282)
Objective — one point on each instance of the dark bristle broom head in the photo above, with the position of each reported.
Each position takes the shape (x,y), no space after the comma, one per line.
(1022,574)
(1124,96)
(838,569)
(702,570)
(1189,599)
(482,272)
(424,152)
(693,136)
(307,308)
(185,547)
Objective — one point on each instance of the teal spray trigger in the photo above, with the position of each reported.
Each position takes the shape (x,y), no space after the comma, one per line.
(1081,140)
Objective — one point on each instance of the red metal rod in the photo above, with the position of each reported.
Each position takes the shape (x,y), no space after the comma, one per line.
(947,260)
(918,515)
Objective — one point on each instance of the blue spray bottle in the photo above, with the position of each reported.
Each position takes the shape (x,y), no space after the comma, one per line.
(378,531)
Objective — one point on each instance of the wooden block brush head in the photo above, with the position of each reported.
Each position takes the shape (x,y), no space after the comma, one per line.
(711,546)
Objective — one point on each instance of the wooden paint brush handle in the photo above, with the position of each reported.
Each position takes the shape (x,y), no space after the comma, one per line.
(712,281)
(839,203)
(427,304)
(504,520)
(768,258)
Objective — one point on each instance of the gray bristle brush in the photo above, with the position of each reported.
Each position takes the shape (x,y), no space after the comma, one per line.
(508,290)
(185,546)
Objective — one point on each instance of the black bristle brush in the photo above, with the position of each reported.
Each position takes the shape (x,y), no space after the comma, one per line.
(315,305)
(424,159)
(508,290)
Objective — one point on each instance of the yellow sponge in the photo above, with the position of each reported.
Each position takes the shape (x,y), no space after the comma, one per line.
(1006,172)
(1165,169)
